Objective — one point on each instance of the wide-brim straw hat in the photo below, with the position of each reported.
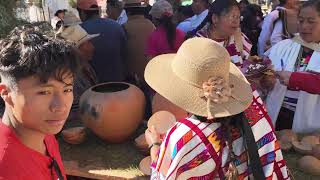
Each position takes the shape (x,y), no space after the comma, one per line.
(183,78)
(77,35)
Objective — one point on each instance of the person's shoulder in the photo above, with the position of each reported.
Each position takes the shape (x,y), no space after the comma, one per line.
(272,16)
(185,25)
(180,33)
(284,43)
(7,141)
(9,151)
(144,22)
(101,22)
(149,23)
(158,32)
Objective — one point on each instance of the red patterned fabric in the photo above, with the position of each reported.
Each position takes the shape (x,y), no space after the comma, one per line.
(185,154)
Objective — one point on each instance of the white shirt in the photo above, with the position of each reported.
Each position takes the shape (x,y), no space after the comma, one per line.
(270,32)
(185,25)
(196,20)
(123,18)
(277,33)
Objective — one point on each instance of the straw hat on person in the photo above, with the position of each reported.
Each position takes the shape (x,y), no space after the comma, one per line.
(77,35)
(201,79)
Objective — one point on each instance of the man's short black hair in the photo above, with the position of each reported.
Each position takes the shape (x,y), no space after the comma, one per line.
(246,2)
(115,3)
(90,13)
(135,10)
(60,11)
(282,2)
(206,1)
(26,52)
(186,11)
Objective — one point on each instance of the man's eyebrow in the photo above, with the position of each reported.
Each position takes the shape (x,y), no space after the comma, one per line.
(51,85)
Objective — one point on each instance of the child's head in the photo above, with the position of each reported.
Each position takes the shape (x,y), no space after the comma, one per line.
(37,80)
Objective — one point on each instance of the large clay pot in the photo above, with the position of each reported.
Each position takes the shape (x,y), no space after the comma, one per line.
(113,110)
(159,103)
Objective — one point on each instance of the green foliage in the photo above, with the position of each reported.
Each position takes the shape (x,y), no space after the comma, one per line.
(73,3)
(7,17)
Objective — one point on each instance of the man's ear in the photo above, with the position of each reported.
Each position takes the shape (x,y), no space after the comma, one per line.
(5,94)
(215,20)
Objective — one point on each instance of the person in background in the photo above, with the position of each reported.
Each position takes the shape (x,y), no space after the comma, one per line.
(116,12)
(294,102)
(58,20)
(274,4)
(252,17)
(228,134)
(243,4)
(86,77)
(275,25)
(184,16)
(138,29)
(166,38)
(147,9)
(223,25)
(200,9)
(37,74)
(110,48)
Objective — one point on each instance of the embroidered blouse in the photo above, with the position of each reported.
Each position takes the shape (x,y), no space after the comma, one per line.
(202,153)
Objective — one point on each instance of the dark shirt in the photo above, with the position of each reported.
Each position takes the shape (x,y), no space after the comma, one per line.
(110,49)
(146,12)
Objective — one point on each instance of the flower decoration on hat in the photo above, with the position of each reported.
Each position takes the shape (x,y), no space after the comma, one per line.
(216,90)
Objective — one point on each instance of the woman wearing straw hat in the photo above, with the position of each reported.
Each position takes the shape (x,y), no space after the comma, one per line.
(228,126)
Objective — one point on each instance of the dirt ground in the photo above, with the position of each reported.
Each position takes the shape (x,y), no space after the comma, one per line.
(114,160)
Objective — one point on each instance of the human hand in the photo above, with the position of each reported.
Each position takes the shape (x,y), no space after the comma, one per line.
(255,59)
(284,77)
(152,136)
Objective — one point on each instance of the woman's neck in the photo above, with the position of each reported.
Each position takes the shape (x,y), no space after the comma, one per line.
(217,35)
(30,138)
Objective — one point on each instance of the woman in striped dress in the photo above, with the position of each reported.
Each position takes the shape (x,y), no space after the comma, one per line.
(228,134)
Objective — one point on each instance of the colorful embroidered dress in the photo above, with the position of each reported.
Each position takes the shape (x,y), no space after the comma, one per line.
(238,54)
(187,153)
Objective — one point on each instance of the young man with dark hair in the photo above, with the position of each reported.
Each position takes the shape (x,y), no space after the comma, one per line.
(36,84)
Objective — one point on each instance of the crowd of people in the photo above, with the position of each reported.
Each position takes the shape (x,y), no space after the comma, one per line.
(194,56)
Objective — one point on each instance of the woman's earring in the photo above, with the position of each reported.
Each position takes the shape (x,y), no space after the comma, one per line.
(214,24)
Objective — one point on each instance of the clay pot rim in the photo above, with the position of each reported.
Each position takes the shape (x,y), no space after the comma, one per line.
(91,88)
